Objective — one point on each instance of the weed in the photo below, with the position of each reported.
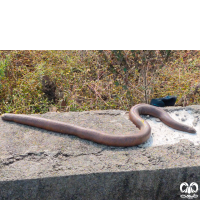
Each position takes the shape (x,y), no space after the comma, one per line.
(88,80)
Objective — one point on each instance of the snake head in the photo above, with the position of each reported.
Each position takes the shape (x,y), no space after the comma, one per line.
(191,130)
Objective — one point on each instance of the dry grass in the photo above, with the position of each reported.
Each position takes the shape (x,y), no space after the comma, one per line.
(88,80)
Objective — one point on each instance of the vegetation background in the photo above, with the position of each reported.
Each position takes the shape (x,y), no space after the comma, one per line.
(39,81)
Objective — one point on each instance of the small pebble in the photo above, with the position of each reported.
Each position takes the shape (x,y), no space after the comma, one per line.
(183,119)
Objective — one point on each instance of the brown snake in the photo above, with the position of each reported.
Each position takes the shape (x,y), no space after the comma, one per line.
(101,137)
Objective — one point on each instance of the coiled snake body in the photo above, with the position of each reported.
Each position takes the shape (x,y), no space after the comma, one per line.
(101,137)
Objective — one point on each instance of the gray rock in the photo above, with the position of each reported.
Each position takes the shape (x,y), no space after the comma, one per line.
(39,164)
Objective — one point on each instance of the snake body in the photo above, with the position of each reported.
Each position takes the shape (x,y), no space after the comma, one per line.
(101,137)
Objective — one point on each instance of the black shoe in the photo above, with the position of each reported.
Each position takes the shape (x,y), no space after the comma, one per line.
(165,101)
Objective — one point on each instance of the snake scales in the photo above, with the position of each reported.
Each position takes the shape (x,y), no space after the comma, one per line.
(103,138)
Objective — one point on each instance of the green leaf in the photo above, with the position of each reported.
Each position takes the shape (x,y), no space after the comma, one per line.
(128,94)
(125,87)
(116,83)
(133,53)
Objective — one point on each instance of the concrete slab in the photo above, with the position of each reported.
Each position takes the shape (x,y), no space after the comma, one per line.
(39,164)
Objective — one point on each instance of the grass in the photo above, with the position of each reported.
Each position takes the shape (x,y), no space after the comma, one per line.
(91,80)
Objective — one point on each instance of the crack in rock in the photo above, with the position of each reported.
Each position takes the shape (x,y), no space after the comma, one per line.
(30,155)
(42,155)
